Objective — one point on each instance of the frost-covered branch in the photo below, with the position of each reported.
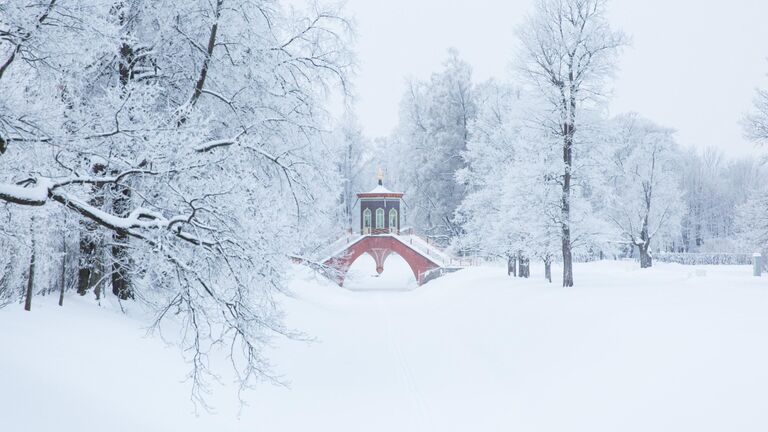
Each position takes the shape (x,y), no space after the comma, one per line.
(17,45)
(178,151)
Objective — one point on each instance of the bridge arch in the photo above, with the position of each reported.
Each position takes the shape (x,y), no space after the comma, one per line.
(380,248)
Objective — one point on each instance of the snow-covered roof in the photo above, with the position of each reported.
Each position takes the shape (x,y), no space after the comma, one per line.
(379,190)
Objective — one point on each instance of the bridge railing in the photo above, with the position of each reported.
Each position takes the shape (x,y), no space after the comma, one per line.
(336,247)
(435,252)
(423,247)
(409,237)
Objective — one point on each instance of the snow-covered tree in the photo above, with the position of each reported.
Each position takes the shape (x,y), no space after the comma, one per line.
(487,213)
(756,123)
(713,187)
(568,53)
(508,211)
(191,140)
(355,150)
(643,177)
(432,133)
(750,221)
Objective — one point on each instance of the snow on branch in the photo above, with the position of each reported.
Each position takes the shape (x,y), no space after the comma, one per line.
(38,192)
(31,196)
(214,144)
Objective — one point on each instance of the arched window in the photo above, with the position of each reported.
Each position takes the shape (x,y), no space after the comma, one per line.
(393,220)
(380,218)
(367,220)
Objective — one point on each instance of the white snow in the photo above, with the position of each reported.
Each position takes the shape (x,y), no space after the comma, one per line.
(380,189)
(397,275)
(625,350)
(34,194)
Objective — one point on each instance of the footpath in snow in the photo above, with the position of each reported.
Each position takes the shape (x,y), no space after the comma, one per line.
(625,350)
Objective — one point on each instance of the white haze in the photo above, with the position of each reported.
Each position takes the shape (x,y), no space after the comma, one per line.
(692,66)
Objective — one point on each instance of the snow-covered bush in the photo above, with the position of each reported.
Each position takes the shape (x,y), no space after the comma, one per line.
(705,258)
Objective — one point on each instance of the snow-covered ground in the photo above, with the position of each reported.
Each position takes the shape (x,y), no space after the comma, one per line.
(625,350)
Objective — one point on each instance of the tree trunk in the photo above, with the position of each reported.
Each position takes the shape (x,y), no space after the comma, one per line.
(87,260)
(31,279)
(511,269)
(645,247)
(122,194)
(548,269)
(120,279)
(699,239)
(567,259)
(646,260)
(569,131)
(63,270)
(524,266)
(83,275)
(121,286)
(205,66)
(97,288)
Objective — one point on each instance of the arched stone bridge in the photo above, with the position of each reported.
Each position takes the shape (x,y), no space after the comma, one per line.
(425,260)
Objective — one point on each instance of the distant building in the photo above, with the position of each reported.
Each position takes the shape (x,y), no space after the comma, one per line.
(380,210)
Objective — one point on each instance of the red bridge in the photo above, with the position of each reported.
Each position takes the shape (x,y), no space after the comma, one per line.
(381,236)
(423,261)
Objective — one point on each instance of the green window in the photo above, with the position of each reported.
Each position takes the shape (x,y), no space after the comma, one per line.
(367,219)
(379,218)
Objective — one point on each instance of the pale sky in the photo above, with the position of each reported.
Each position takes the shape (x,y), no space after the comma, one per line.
(693,64)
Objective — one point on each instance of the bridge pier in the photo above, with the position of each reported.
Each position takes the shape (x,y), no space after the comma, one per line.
(379,255)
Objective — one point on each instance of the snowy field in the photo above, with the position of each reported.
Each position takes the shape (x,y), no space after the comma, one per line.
(626,350)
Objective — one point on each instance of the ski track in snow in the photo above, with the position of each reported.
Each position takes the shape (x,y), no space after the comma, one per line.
(403,368)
